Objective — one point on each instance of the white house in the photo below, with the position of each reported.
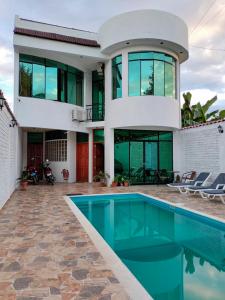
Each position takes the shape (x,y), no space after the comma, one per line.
(100,101)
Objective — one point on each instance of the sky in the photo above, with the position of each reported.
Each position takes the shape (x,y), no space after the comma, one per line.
(203,74)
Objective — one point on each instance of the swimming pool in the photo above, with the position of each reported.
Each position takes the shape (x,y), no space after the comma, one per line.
(174,253)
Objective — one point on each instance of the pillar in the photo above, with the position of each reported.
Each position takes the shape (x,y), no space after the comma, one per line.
(109,153)
(90,156)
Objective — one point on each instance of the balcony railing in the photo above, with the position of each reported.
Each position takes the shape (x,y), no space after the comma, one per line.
(95,112)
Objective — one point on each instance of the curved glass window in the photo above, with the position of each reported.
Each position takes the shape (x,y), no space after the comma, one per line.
(47,79)
(151,73)
(117,77)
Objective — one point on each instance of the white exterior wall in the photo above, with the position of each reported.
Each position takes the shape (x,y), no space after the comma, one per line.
(200,149)
(10,156)
(150,27)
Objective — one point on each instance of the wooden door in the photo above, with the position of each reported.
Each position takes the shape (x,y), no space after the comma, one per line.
(98,158)
(82,162)
(34,155)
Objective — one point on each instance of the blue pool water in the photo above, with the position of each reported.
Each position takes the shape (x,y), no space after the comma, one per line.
(174,253)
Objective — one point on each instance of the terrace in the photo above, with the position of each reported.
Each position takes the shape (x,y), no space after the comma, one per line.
(45,252)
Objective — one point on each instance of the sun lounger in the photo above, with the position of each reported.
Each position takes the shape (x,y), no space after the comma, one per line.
(199,181)
(218,183)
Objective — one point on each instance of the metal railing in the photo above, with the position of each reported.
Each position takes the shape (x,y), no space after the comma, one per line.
(95,112)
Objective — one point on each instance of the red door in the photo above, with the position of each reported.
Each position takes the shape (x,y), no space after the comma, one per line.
(82,162)
(34,155)
(98,158)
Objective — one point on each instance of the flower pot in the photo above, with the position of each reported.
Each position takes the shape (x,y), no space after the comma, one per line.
(126,183)
(114,184)
(23,185)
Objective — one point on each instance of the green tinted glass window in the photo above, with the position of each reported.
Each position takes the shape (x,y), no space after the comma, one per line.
(134,78)
(169,80)
(143,155)
(158,78)
(38,82)
(151,73)
(117,77)
(62,83)
(146,77)
(71,88)
(25,79)
(51,83)
(79,90)
(47,79)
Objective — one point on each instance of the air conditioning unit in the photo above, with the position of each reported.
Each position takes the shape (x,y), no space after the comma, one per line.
(79,115)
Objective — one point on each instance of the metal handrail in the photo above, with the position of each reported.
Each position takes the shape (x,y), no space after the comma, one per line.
(96,114)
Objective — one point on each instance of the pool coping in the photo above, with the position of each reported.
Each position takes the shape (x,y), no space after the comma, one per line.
(128,281)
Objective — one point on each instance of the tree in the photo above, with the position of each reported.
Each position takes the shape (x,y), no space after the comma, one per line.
(199,113)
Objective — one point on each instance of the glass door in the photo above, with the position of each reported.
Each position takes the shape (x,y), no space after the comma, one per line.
(151,161)
(137,162)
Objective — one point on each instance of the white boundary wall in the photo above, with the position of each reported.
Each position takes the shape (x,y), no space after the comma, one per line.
(10,156)
(201,149)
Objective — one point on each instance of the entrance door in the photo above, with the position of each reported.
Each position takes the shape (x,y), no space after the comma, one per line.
(98,158)
(82,162)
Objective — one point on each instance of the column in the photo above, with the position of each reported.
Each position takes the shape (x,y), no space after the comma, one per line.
(109,153)
(71,155)
(90,156)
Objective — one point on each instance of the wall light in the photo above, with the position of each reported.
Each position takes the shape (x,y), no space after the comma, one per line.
(2,99)
(13,123)
(220,129)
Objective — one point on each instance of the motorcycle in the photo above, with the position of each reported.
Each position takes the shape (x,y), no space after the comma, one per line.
(48,173)
(32,175)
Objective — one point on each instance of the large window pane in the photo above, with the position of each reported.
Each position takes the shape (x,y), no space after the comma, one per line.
(47,79)
(79,90)
(38,83)
(51,83)
(169,80)
(117,77)
(122,158)
(25,79)
(134,78)
(158,78)
(151,73)
(62,83)
(147,77)
(166,156)
(71,88)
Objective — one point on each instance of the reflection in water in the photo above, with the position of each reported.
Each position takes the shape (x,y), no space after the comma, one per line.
(174,256)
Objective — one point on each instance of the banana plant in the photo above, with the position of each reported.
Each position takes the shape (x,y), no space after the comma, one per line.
(199,113)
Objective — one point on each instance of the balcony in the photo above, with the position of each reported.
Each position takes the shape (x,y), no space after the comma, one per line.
(95,112)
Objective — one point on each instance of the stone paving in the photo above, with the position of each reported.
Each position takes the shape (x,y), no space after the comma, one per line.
(46,254)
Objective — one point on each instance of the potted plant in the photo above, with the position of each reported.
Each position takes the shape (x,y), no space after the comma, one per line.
(115,181)
(101,177)
(24,180)
(126,181)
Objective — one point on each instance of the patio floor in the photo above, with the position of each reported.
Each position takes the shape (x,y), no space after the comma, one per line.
(46,254)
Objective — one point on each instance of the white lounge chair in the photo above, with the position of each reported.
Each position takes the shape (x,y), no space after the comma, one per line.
(199,181)
(218,183)
(212,194)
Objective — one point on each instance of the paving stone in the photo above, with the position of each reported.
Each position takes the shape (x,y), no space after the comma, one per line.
(113,280)
(68,263)
(22,283)
(41,260)
(90,291)
(54,291)
(80,274)
(13,267)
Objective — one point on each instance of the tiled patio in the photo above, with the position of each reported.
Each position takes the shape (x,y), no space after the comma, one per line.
(46,254)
